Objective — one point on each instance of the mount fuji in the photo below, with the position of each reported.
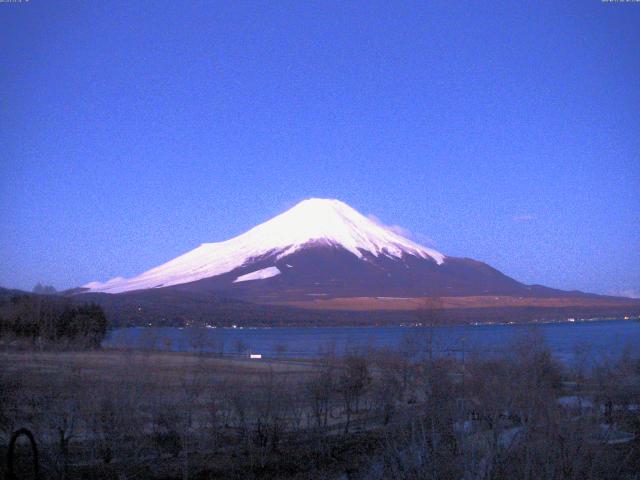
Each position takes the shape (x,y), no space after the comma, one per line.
(311,225)
(324,255)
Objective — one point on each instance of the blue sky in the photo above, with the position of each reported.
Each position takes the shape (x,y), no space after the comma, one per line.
(509,132)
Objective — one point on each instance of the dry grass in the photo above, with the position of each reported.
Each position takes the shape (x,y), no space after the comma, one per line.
(412,304)
(113,365)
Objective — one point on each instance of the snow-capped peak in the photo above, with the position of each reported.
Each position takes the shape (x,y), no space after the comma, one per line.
(336,222)
(310,221)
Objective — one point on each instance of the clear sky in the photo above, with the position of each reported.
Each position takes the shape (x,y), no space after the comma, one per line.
(133,131)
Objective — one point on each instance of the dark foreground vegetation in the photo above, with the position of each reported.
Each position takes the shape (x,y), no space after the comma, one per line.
(28,321)
(370,415)
(175,308)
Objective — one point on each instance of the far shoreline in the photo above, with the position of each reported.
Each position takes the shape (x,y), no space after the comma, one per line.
(528,323)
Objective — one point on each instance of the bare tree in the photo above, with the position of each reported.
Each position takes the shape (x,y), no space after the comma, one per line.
(320,389)
(353,381)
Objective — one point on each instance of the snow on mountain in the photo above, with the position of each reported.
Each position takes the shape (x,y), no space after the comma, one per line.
(312,221)
(258,274)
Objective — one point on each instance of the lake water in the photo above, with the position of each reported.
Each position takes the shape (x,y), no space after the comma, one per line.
(592,340)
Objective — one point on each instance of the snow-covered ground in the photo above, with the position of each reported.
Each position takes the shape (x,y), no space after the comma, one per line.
(258,274)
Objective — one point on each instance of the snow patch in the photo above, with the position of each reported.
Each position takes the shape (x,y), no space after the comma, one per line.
(258,274)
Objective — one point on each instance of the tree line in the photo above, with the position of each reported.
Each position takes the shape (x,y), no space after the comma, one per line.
(37,320)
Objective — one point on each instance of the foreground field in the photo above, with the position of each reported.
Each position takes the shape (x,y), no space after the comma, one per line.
(370,415)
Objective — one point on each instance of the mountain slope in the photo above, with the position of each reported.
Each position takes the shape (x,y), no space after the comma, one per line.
(328,271)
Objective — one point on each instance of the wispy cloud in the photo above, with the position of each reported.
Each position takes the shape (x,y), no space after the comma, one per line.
(405,232)
(524,217)
(394,228)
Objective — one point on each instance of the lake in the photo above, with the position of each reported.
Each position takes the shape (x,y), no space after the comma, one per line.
(569,342)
